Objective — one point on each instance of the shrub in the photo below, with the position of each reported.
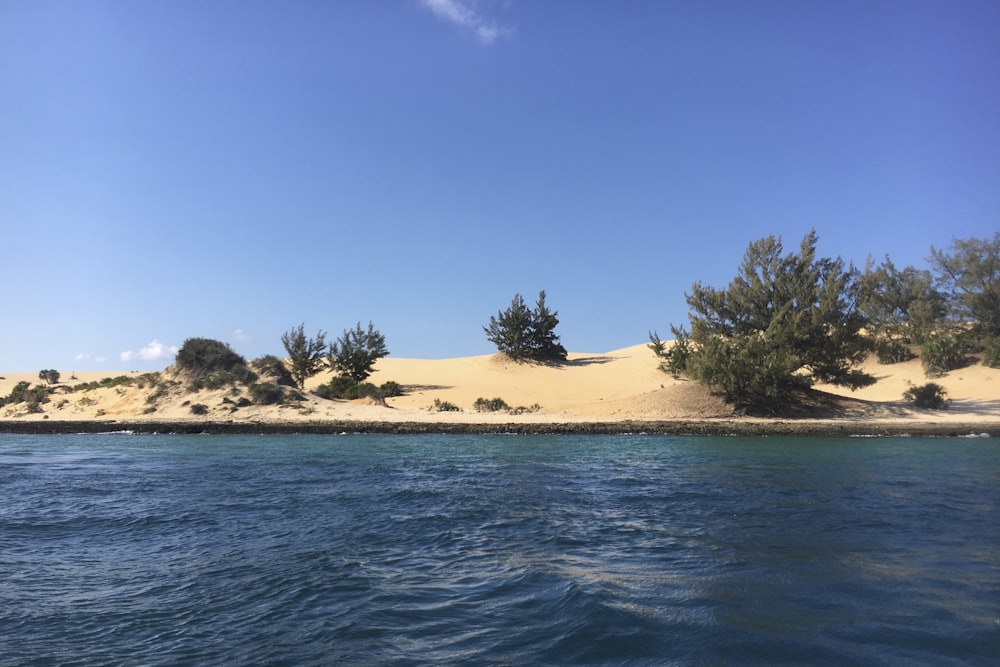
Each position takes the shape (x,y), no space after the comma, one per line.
(201,356)
(361,390)
(444,406)
(199,409)
(930,396)
(391,388)
(32,397)
(943,353)
(272,367)
(266,393)
(519,410)
(490,405)
(49,376)
(893,352)
(991,353)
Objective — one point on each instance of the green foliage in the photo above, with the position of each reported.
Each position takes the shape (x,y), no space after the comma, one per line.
(893,352)
(266,393)
(305,355)
(49,376)
(900,303)
(991,353)
(354,354)
(203,356)
(32,397)
(943,353)
(524,334)
(444,406)
(784,322)
(199,409)
(391,388)
(105,383)
(969,273)
(270,366)
(675,358)
(490,405)
(930,396)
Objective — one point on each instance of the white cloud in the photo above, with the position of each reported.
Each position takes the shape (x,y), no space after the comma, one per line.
(80,356)
(155,351)
(241,336)
(464,14)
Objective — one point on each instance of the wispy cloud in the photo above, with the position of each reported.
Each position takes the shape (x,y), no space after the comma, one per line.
(155,351)
(241,336)
(466,15)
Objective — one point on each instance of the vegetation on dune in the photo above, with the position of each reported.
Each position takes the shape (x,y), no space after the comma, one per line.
(931,396)
(354,354)
(788,321)
(785,322)
(525,334)
(305,354)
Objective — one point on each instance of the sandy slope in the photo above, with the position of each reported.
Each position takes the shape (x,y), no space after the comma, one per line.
(615,386)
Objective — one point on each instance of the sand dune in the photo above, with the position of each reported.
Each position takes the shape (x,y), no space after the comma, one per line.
(614,386)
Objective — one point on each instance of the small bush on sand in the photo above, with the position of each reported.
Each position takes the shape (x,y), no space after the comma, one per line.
(199,409)
(201,356)
(930,396)
(490,405)
(893,352)
(444,406)
(266,393)
(391,388)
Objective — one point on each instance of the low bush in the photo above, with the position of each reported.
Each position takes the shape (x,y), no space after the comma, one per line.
(391,388)
(32,397)
(266,393)
(894,352)
(444,406)
(199,409)
(942,354)
(930,396)
(202,356)
(490,405)
(272,367)
(991,353)
(520,410)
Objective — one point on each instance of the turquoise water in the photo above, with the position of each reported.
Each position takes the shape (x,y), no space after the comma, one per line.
(372,549)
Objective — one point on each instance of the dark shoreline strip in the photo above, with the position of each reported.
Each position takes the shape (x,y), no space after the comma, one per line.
(694,427)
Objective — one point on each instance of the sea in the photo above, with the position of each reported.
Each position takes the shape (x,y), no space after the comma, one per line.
(352,549)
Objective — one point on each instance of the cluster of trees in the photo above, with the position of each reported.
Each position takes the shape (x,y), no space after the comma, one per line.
(352,356)
(525,334)
(789,320)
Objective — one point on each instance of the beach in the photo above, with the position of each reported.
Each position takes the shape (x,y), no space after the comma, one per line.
(619,391)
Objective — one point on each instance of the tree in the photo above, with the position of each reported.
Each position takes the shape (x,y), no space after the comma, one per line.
(305,355)
(784,322)
(970,275)
(49,376)
(900,303)
(524,334)
(354,354)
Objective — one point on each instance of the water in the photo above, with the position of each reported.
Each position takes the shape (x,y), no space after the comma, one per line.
(317,550)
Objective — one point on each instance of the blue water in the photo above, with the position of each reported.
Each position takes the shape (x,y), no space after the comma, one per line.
(318,550)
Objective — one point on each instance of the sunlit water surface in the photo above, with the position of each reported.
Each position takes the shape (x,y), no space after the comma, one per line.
(365,549)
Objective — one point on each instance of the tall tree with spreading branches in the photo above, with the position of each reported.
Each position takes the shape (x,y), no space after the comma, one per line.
(306,356)
(785,322)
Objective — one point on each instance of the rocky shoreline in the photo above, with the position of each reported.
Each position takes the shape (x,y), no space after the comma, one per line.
(805,428)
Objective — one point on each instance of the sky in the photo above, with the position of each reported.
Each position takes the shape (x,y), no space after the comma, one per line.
(233,168)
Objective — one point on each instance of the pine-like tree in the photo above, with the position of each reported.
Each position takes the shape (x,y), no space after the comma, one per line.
(354,354)
(305,355)
(524,334)
(784,322)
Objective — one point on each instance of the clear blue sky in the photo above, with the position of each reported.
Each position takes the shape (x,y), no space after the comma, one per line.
(231,168)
